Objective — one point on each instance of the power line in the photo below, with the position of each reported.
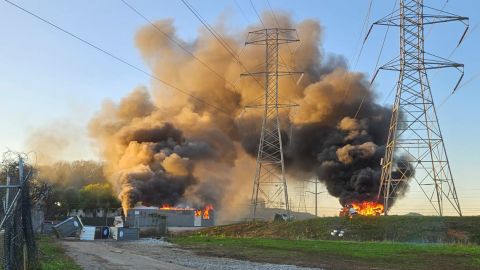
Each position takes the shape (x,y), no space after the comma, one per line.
(176,42)
(219,38)
(290,50)
(273,13)
(473,29)
(280,57)
(241,11)
(278,25)
(474,77)
(258,15)
(364,26)
(431,26)
(357,57)
(215,34)
(376,66)
(276,22)
(116,57)
(477,75)
(389,94)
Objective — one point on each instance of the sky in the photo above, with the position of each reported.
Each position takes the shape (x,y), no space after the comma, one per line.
(49,80)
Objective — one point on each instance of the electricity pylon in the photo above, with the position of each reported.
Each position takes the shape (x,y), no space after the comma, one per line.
(415,139)
(270,183)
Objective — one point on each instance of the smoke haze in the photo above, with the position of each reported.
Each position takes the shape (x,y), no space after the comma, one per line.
(164,147)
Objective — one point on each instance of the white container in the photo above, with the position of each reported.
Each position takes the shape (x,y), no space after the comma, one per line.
(197,222)
(87,233)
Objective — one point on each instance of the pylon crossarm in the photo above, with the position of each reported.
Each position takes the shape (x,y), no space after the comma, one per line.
(280,73)
(392,65)
(280,105)
(433,19)
(279,35)
(441,16)
(428,64)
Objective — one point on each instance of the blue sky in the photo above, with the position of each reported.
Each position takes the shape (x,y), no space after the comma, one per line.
(48,79)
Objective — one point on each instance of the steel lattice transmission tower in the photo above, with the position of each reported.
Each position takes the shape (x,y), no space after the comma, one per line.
(270,183)
(414,132)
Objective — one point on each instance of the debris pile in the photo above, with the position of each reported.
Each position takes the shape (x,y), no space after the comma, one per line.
(73,227)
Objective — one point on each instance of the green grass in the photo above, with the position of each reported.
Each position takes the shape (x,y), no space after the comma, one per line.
(52,255)
(392,242)
(415,229)
(338,254)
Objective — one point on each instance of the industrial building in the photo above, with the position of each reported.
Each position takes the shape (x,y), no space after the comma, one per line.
(176,217)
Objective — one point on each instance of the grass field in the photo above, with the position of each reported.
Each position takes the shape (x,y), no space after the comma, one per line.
(393,242)
(338,254)
(52,255)
(416,229)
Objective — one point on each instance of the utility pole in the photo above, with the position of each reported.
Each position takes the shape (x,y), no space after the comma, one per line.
(415,141)
(316,193)
(270,183)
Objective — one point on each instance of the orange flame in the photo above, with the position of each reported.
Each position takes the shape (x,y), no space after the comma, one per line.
(206,211)
(169,207)
(365,208)
(368,208)
(165,206)
(198,212)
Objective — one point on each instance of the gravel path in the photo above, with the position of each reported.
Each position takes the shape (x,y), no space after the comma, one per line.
(153,254)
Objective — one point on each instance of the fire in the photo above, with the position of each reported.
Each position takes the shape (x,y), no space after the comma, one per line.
(169,207)
(368,208)
(206,211)
(365,208)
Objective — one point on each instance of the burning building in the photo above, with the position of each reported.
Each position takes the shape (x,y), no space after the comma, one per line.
(142,216)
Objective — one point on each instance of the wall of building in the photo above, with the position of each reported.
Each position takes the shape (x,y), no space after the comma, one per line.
(95,213)
(148,217)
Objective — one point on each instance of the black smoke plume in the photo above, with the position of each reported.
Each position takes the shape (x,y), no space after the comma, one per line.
(161,146)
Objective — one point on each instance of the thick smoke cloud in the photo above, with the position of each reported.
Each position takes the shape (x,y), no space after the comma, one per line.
(327,141)
(166,147)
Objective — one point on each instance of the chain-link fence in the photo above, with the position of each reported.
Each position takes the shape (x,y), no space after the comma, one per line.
(18,250)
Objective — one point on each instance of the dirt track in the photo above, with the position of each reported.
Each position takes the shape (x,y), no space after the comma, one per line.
(151,254)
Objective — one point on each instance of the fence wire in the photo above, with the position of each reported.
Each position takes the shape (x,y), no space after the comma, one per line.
(19,249)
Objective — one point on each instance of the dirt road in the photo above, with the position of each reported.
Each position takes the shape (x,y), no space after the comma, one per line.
(152,254)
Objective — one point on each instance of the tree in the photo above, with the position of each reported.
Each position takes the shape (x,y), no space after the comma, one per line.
(73,174)
(71,199)
(98,196)
(58,186)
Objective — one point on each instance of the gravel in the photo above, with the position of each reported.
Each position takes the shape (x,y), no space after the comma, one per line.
(170,253)
(152,253)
